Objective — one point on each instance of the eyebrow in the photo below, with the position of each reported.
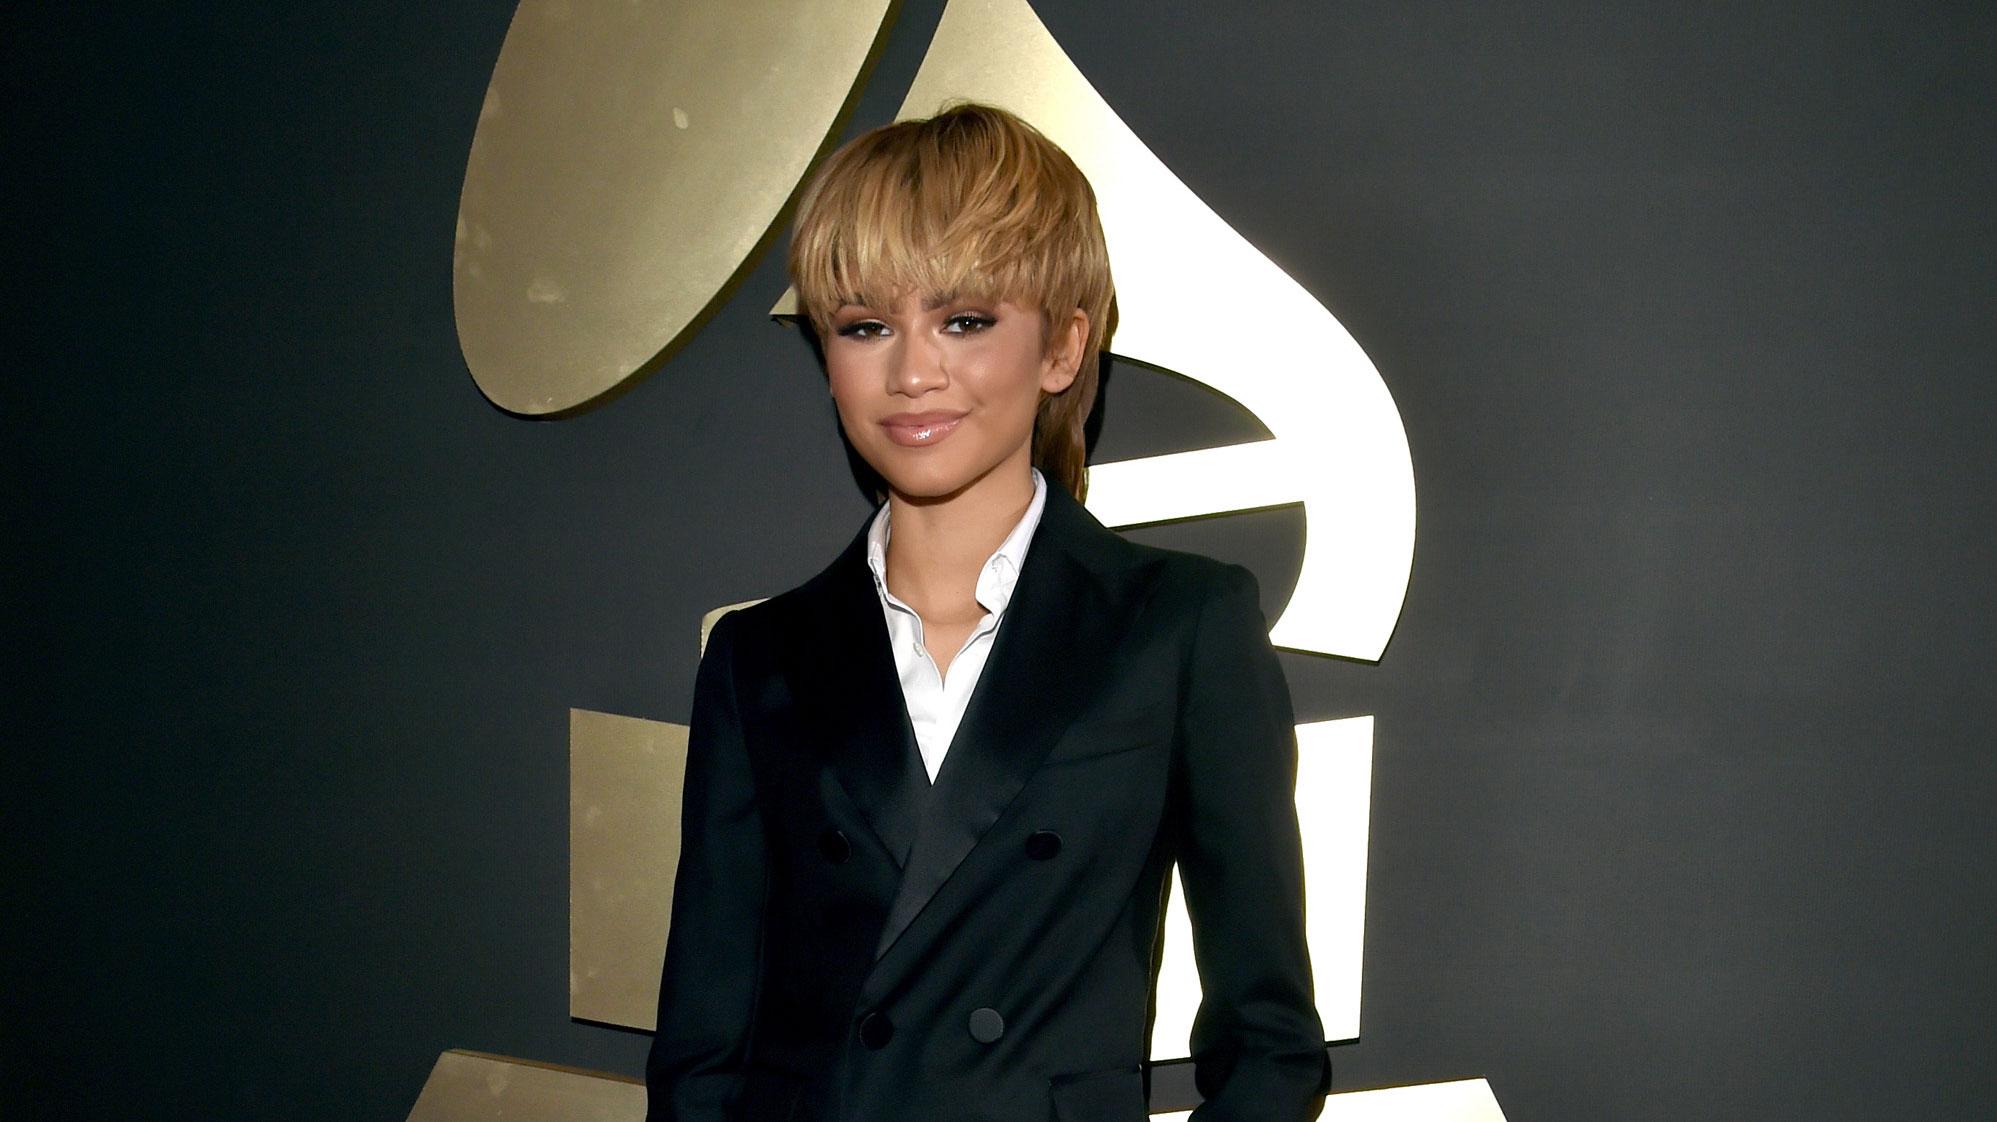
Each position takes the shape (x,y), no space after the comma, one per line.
(930,302)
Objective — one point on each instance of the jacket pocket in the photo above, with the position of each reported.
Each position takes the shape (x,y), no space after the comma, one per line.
(1108,736)
(1115,1095)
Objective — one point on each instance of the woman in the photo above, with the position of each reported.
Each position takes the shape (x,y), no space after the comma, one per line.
(933,795)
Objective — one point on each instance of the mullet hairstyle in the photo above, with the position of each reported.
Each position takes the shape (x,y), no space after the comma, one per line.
(970,202)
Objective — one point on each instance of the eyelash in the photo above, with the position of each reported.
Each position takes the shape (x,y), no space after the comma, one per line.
(964,323)
(969,322)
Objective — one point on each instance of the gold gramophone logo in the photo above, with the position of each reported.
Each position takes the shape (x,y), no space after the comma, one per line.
(633,161)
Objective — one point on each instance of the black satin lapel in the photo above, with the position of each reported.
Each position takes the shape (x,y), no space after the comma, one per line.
(846,669)
(1052,651)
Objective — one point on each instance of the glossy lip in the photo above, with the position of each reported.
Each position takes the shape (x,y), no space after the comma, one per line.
(919,430)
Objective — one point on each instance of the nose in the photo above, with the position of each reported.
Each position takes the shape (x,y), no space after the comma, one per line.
(917,367)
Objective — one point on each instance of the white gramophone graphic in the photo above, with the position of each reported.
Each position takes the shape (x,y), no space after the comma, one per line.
(633,161)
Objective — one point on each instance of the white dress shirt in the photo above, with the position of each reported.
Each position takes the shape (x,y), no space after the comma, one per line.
(935,701)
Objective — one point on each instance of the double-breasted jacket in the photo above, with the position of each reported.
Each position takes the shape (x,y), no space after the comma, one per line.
(852,943)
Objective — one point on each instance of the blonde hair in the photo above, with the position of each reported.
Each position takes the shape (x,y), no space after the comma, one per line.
(972,201)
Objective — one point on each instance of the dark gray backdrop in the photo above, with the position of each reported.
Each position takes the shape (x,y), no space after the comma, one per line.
(1683,776)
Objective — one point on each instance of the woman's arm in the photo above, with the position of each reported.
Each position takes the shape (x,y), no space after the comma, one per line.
(707,995)
(1258,1047)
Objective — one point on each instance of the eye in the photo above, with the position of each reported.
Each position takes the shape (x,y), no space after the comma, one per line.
(968,323)
(862,329)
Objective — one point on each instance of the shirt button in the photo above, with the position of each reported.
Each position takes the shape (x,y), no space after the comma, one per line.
(1042,845)
(834,846)
(986,1025)
(876,1030)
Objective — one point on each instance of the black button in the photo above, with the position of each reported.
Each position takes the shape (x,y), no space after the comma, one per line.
(876,1030)
(834,846)
(986,1025)
(1042,845)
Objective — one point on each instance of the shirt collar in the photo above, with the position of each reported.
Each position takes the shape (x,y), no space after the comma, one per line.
(1000,571)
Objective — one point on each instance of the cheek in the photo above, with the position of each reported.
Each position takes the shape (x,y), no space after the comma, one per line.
(846,380)
(1014,380)
(852,417)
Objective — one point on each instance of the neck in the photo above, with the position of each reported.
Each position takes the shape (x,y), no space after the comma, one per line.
(937,545)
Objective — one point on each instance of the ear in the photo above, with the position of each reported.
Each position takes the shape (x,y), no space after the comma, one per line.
(1064,353)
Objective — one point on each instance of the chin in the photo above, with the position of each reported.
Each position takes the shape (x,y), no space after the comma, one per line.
(938,479)
(924,484)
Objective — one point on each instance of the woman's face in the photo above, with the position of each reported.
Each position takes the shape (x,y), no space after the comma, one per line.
(938,397)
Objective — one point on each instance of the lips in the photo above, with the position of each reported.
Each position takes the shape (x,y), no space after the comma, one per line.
(919,430)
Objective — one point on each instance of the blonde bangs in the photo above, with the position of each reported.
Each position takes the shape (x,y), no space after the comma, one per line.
(973,202)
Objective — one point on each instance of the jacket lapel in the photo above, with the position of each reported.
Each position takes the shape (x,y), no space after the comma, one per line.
(1053,649)
(843,665)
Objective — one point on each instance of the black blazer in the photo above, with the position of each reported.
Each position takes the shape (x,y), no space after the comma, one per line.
(851,944)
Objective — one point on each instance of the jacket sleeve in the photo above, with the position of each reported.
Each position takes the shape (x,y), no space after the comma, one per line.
(707,994)
(1258,1046)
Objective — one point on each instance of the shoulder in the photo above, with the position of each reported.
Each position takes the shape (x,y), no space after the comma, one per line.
(1191,582)
(825,603)
(1170,580)
(1166,577)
